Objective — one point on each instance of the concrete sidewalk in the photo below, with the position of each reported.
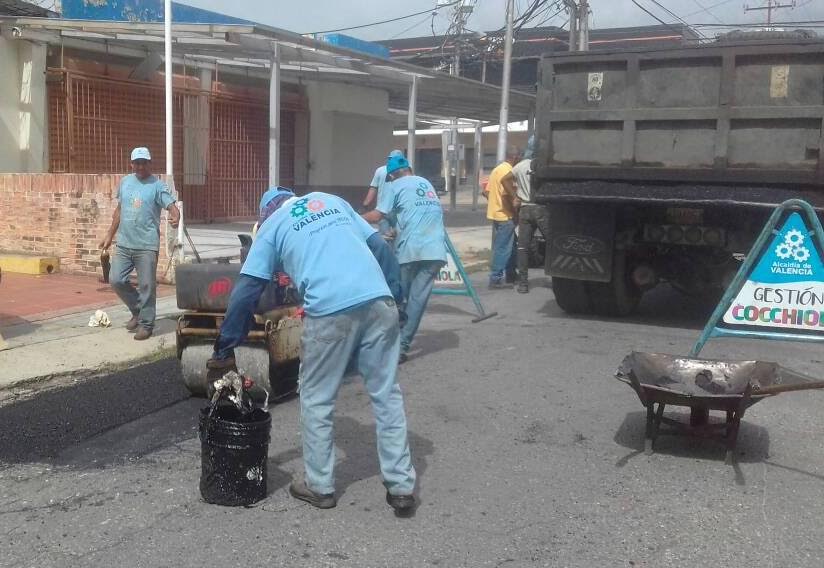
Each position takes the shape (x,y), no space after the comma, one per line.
(41,347)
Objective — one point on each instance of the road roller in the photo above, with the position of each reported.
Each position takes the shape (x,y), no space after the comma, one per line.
(269,356)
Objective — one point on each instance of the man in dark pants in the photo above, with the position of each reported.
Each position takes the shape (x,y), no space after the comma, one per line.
(420,244)
(347,277)
(531,216)
(136,222)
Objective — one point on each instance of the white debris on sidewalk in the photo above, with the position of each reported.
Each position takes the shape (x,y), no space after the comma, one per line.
(100,319)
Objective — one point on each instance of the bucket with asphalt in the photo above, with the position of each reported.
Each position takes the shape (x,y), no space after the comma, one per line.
(234,450)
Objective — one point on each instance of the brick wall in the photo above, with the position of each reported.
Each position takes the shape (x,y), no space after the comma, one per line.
(62,215)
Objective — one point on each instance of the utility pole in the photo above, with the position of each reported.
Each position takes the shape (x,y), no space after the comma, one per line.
(461,14)
(771,5)
(572,8)
(504,117)
(583,25)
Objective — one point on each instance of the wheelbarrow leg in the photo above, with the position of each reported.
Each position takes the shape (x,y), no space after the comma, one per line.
(650,429)
(734,425)
(653,426)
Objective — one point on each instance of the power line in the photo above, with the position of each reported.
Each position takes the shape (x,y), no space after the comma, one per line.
(386,21)
(714,6)
(814,23)
(707,10)
(413,26)
(667,10)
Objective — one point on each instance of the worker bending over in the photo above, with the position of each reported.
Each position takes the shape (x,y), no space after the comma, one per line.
(344,271)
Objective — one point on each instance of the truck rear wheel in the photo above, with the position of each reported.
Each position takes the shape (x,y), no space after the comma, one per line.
(617,298)
(571,295)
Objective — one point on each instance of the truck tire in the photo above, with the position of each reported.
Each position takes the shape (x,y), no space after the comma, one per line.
(571,295)
(617,298)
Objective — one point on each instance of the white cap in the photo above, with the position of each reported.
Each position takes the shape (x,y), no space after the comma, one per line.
(141,154)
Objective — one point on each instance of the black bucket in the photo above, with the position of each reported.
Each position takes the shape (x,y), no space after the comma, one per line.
(233,457)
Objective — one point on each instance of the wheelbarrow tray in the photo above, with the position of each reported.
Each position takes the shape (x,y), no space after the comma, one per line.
(704,385)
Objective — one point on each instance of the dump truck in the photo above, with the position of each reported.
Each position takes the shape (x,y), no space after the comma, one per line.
(663,165)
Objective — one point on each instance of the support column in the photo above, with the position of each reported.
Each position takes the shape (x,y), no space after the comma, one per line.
(32,134)
(410,121)
(479,156)
(274,117)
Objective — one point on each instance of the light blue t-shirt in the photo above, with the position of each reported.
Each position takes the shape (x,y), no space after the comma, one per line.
(320,242)
(140,204)
(421,235)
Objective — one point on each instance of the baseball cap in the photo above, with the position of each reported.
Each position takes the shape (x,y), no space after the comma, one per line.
(395,154)
(395,163)
(141,154)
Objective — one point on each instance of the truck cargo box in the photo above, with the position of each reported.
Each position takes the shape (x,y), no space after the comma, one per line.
(745,113)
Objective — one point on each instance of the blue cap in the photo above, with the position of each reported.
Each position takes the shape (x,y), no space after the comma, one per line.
(396,163)
(272,194)
(395,154)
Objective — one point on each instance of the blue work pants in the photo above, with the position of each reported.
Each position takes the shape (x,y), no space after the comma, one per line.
(417,279)
(142,302)
(504,251)
(369,334)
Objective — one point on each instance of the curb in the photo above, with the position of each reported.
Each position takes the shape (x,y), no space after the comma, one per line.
(30,386)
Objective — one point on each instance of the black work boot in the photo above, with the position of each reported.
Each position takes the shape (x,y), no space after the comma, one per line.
(523,287)
(404,505)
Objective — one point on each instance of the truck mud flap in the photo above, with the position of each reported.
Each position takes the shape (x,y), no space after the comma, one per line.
(580,246)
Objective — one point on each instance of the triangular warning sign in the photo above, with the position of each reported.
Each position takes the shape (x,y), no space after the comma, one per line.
(779,291)
(453,280)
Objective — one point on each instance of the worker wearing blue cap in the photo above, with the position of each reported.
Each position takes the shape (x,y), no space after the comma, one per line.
(420,244)
(376,186)
(348,279)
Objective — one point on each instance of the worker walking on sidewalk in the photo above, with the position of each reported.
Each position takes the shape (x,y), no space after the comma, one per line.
(136,224)
(531,216)
(420,244)
(344,271)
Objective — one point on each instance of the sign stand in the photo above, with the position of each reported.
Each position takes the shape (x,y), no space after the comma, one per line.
(778,292)
(467,289)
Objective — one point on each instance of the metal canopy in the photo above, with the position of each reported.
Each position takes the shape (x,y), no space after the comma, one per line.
(252,47)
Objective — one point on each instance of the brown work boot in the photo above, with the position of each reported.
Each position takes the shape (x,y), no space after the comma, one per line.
(142,334)
(131,325)
(299,490)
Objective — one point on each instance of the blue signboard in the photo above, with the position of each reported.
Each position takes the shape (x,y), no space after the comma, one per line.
(779,291)
(140,11)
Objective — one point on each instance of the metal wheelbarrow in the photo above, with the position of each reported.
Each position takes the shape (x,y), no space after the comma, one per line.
(704,385)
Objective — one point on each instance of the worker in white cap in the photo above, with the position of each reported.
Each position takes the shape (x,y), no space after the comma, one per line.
(376,187)
(136,228)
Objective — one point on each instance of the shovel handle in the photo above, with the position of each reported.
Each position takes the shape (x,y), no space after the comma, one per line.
(775,389)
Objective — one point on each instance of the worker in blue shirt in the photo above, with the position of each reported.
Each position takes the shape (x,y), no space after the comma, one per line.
(141,197)
(344,272)
(420,244)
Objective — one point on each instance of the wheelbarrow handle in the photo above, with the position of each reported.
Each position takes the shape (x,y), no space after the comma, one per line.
(775,389)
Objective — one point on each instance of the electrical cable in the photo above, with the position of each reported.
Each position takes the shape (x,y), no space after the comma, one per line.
(412,27)
(385,21)
(705,9)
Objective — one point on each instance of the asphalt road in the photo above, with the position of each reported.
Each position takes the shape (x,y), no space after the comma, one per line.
(529,453)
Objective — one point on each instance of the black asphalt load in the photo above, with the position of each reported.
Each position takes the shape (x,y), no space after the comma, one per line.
(528,452)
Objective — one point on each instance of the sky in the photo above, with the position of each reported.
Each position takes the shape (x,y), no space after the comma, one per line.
(488,14)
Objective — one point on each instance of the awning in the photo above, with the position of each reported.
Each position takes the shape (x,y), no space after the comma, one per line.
(250,47)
